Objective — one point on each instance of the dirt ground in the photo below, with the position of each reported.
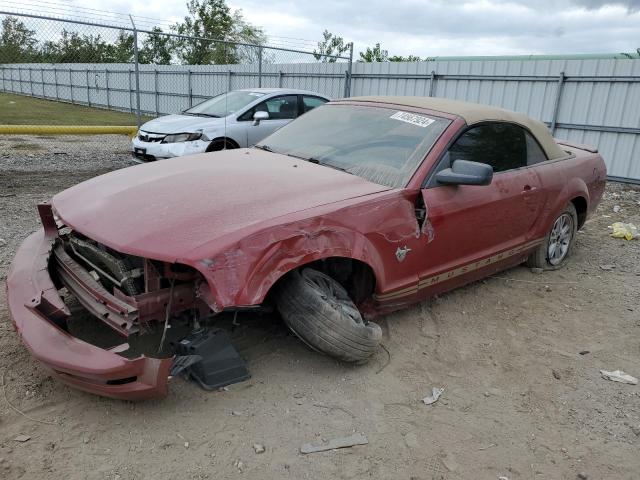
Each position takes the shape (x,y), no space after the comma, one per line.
(519,399)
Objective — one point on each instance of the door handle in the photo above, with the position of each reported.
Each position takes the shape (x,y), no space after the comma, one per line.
(528,188)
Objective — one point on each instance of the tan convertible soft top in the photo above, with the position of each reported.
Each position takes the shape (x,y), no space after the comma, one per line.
(473,113)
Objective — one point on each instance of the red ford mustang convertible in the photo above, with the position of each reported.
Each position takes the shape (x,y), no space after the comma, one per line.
(358,208)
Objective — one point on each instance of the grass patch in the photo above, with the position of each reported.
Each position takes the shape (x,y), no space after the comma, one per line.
(27,146)
(22,110)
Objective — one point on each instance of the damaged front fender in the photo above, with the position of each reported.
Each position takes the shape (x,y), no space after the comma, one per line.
(245,272)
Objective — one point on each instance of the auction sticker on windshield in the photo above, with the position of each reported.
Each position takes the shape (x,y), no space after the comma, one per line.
(413,119)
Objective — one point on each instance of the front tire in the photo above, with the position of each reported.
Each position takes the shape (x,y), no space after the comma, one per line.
(319,311)
(556,248)
(221,144)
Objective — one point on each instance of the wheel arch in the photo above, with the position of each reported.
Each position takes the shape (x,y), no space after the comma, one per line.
(574,191)
(236,278)
(355,275)
(330,262)
(581,206)
(218,140)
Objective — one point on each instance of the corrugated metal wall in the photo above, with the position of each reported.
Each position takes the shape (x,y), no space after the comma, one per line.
(164,88)
(592,101)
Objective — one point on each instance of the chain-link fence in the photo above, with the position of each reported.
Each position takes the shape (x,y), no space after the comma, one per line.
(81,74)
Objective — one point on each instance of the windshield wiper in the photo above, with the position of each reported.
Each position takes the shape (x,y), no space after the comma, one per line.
(184,112)
(335,167)
(266,148)
(318,162)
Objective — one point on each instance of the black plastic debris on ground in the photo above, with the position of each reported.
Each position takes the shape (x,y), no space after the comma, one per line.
(208,357)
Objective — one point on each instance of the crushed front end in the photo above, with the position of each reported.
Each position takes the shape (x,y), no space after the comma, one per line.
(100,320)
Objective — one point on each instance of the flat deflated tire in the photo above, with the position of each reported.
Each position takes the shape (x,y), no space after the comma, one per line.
(319,311)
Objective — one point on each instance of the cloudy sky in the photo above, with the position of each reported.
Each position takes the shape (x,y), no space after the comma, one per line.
(419,27)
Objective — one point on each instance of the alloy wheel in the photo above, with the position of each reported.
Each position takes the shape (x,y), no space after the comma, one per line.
(560,239)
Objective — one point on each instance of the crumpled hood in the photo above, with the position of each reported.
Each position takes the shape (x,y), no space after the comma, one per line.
(181,124)
(165,210)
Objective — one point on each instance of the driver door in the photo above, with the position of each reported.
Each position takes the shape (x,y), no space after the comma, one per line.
(475,230)
(281,110)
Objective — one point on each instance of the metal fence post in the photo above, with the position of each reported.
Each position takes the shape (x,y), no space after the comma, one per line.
(55,82)
(20,78)
(30,82)
(432,83)
(189,88)
(280,79)
(71,85)
(348,77)
(44,95)
(155,84)
(88,92)
(2,78)
(130,92)
(229,73)
(260,66)
(556,104)
(106,86)
(135,61)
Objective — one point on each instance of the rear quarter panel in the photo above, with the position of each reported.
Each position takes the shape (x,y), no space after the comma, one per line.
(582,174)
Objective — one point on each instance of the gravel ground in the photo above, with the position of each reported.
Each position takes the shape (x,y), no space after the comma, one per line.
(520,401)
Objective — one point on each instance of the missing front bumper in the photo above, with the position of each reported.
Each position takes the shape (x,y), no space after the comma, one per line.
(79,339)
(38,313)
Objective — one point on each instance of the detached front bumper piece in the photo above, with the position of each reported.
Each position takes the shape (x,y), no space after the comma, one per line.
(39,316)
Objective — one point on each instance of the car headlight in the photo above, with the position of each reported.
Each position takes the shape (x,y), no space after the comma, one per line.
(182,137)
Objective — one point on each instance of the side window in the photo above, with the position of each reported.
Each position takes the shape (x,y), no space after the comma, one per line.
(535,154)
(309,103)
(501,145)
(279,108)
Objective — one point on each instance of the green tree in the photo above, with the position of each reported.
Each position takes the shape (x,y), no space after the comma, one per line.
(213,19)
(156,48)
(330,45)
(375,54)
(122,49)
(18,44)
(244,32)
(73,47)
(408,58)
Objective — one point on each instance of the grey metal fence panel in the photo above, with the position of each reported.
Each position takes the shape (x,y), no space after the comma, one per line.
(598,103)
(172,84)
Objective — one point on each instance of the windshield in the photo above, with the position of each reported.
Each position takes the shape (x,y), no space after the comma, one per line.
(224,104)
(382,145)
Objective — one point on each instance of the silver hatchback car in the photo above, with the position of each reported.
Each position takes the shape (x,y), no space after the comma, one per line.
(239,118)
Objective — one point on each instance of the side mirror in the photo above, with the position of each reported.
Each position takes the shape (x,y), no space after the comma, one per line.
(259,116)
(464,172)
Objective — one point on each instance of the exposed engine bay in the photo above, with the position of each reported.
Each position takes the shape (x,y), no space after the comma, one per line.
(151,308)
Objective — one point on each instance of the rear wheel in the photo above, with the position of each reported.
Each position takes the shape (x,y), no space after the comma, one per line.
(558,243)
(320,312)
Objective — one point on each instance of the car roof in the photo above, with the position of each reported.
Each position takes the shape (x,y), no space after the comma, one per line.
(473,113)
(282,90)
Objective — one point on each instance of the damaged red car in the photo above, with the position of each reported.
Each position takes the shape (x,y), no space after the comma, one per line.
(358,208)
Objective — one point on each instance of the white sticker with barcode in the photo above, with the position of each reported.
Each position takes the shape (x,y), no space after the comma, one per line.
(413,119)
